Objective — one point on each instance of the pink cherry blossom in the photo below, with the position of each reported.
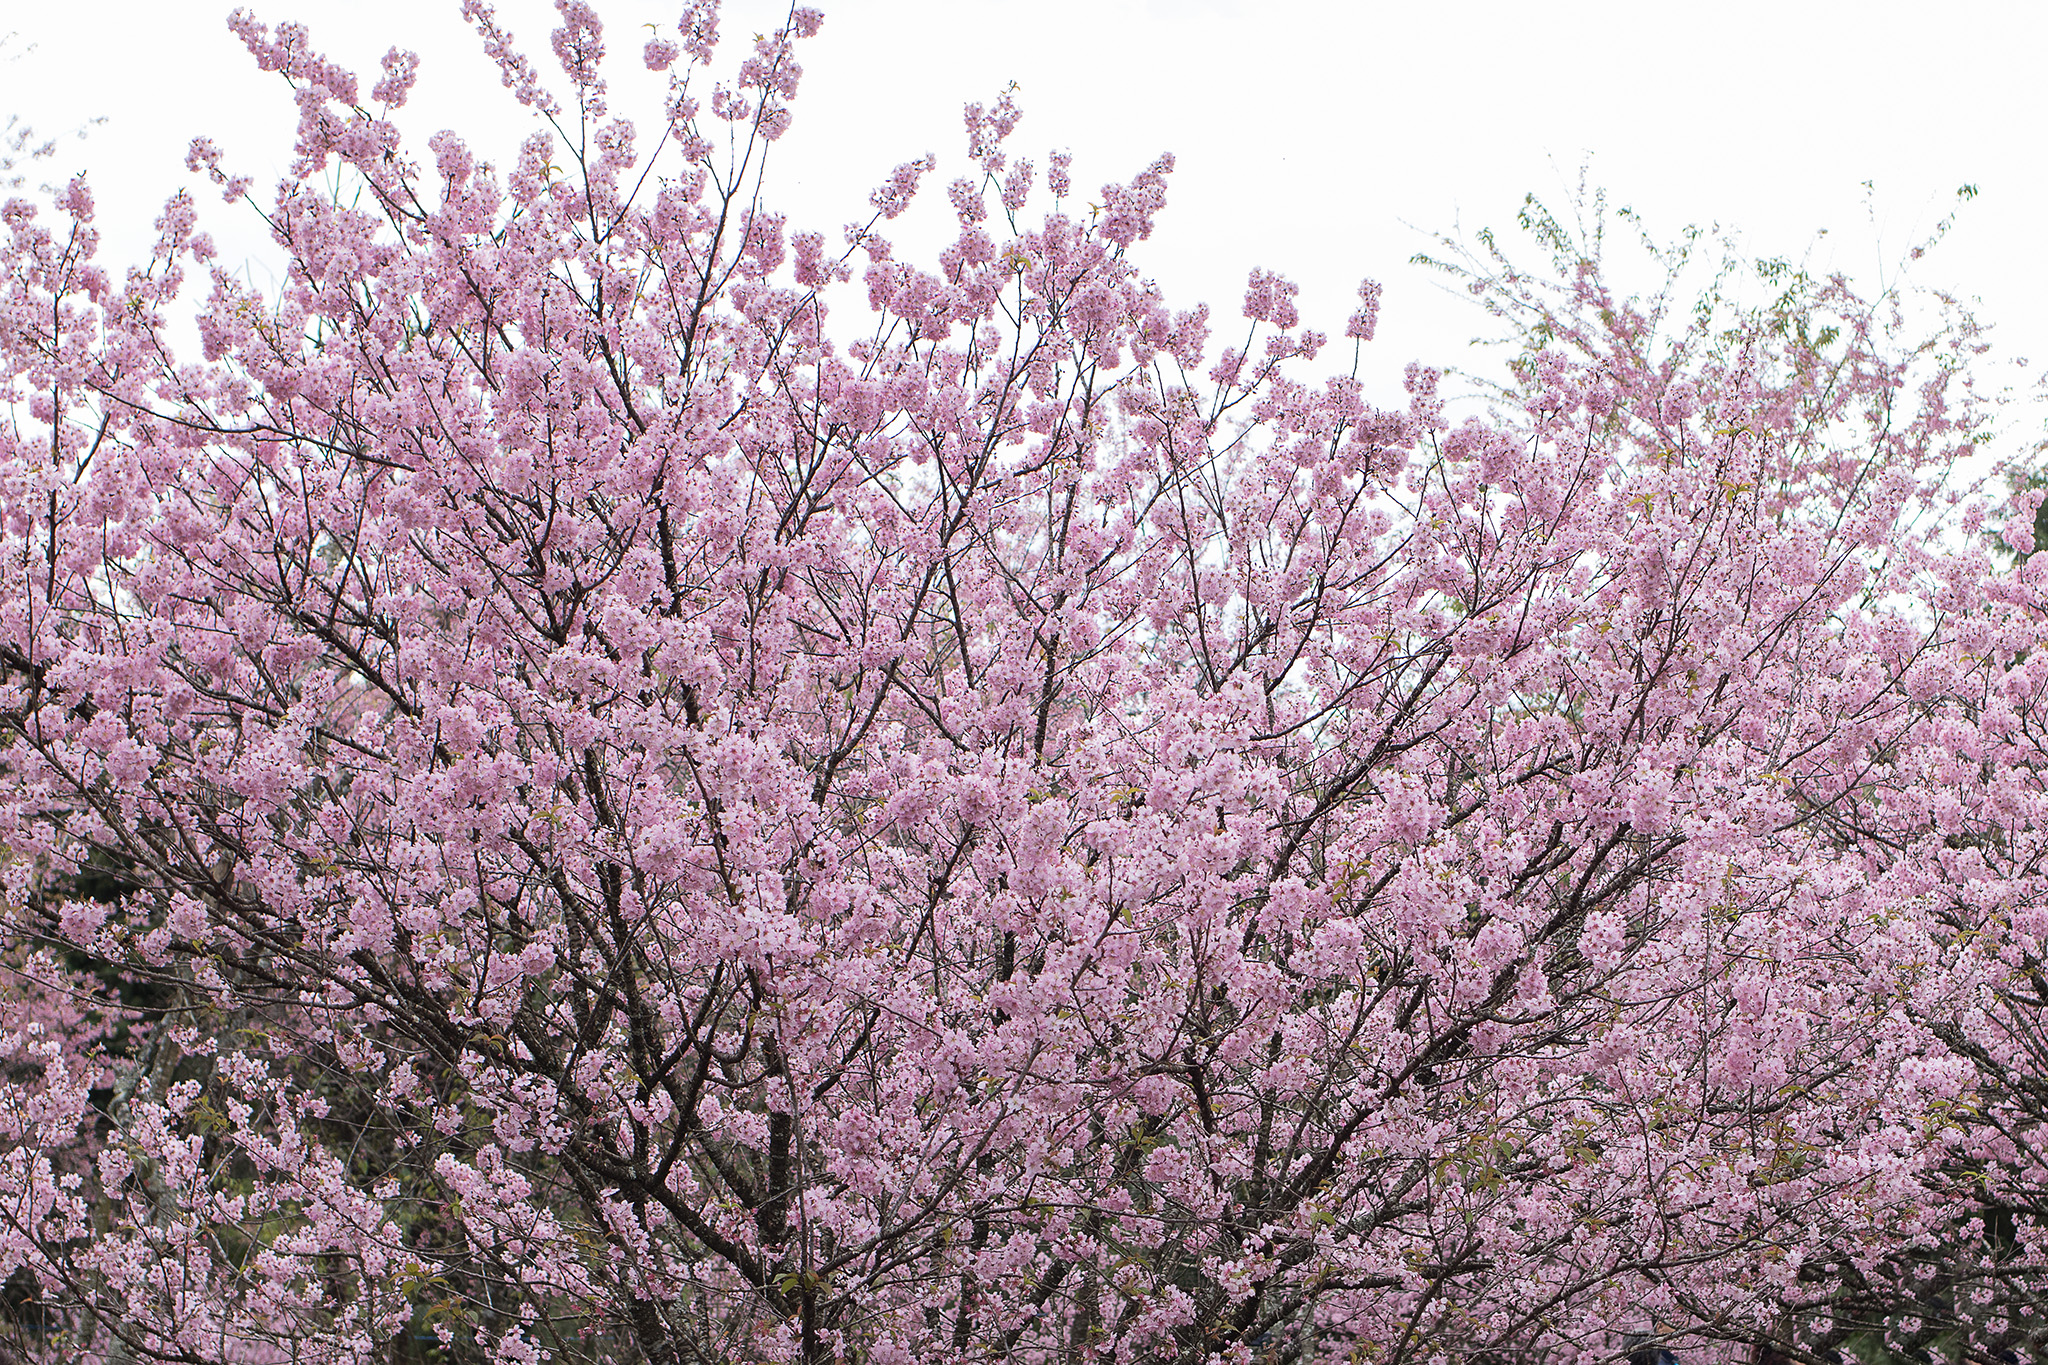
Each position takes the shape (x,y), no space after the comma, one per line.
(562,801)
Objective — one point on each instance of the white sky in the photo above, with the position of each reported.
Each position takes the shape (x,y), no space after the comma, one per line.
(1322,139)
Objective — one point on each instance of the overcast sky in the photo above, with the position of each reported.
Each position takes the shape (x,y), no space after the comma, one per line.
(1323,139)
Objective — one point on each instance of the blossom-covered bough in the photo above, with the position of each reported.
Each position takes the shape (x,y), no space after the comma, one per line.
(629,820)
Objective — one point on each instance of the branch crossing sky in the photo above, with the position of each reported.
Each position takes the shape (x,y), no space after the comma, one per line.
(1324,139)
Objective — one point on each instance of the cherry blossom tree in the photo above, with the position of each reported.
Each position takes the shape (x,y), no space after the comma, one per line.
(564,801)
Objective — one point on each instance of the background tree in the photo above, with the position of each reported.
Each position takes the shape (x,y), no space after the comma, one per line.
(664,830)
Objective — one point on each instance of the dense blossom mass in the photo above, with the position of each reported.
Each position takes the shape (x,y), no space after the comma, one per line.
(559,803)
